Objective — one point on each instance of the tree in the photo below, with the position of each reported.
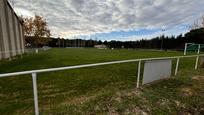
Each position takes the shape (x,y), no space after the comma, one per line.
(36,30)
(198,24)
(195,25)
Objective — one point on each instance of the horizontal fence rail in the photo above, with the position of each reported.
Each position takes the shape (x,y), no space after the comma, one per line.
(35,72)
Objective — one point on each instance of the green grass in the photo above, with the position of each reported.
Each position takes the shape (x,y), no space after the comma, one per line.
(99,90)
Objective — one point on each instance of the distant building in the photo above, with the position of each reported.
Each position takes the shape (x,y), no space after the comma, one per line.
(100,46)
(11,32)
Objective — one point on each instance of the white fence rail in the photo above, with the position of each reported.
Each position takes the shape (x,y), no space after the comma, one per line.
(35,72)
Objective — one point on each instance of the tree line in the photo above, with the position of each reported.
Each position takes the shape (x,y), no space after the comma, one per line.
(162,42)
(37,34)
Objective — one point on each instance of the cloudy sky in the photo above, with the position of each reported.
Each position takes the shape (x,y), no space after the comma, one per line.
(114,19)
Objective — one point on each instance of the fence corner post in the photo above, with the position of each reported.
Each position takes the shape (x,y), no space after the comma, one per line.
(35,93)
(177,65)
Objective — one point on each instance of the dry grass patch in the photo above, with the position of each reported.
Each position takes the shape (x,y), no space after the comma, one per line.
(198,78)
(187,92)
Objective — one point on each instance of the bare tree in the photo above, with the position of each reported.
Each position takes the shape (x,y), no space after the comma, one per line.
(195,25)
(203,21)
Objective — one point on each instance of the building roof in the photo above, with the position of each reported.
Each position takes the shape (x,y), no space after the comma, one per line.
(21,21)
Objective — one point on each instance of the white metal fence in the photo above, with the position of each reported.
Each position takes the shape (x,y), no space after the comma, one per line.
(34,73)
(199,47)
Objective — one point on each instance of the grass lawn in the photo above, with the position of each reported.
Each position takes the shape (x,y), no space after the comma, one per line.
(106,89)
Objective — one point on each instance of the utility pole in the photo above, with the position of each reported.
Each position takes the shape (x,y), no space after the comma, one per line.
(59,42)
(63,42)
(162,39)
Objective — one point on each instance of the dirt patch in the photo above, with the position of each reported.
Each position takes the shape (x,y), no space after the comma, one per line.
(125,94)
(24,111)
(112,111)
(3,95)
(198,78)
(179,104)
(78,100)
(135,111)
(185,113)
(55,94)
(134,93)
(163,102)
(130,93)
(46,85)
(187,92)
(138,111)
(118,99)
(53,90)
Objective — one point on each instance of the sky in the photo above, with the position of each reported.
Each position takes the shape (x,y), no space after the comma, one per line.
(113,19)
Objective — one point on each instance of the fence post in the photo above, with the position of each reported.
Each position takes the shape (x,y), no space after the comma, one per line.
(177,65)
(198,49)
(196,64)
(35,93)
(186,44)
(138,74)
(36,51)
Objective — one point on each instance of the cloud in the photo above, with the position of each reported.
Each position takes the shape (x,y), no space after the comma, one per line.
(83,17)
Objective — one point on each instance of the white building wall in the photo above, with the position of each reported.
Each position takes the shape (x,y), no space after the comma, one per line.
(17,36)
(11,30)
(22,39)
(5,38)
(1,43)
(11,33)
(14,31)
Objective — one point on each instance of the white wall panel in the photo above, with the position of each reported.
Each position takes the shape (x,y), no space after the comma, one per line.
(156,70)
(1,39)
(5,39)
(12,37)
(22,38)
(14,31)
(17,35)
(11,33)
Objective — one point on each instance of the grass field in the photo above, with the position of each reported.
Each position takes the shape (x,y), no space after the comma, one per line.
(106,89)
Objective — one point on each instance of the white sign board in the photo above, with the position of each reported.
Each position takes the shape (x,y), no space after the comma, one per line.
(156,70)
